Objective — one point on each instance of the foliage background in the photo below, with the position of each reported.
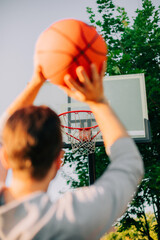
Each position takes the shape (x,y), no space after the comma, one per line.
(132,48)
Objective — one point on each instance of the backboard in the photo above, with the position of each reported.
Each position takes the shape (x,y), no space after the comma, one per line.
(125,93)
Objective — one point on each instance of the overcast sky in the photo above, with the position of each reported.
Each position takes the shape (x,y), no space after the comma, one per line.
(21,22)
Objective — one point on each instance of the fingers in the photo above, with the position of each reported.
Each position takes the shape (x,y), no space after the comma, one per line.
(103,70)
(84,81)
(96,77)
(73,93)
(85,89)
(82,76)
(94,72)
(73,88)
(38,76)
(72,84)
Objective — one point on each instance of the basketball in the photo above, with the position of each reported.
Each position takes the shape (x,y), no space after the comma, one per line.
(67,44)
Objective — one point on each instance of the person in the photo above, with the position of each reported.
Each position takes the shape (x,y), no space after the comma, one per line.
(32,148)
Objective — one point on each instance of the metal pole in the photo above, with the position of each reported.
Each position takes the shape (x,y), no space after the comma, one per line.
(92,168)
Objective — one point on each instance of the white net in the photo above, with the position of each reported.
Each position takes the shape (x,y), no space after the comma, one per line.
(82,141)
(81,130)
(83,148)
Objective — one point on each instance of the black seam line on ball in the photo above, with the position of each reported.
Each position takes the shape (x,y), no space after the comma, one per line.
(81,51)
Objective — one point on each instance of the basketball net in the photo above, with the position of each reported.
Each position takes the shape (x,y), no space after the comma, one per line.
(81,130)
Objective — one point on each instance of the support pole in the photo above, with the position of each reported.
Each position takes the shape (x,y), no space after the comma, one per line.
(92,168)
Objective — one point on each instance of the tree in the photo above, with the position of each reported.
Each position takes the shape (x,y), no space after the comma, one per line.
(132,233)
(134,48)
(81,166)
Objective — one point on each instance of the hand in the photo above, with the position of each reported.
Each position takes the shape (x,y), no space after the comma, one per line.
(38,76)
(85,89)
(28,95)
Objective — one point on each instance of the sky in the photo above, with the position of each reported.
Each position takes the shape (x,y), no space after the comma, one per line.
(21,22)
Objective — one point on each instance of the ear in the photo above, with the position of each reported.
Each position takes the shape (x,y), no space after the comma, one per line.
(59,160)
(57,163)
(4,158)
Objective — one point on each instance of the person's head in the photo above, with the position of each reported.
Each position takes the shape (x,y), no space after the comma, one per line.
(32,140)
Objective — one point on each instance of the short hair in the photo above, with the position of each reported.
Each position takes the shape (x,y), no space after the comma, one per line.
(33,140)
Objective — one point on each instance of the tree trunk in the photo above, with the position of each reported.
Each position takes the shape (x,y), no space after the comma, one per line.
(156,208)
(147,226)
(158,217)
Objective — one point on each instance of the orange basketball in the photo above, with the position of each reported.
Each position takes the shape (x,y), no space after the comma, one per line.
(67,44)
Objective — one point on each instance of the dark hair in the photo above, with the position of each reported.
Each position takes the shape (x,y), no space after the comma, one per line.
(33,135)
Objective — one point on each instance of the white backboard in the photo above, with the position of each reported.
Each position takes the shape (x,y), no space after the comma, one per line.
(125,93)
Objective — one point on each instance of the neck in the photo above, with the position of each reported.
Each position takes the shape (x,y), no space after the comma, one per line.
(23,184)
(21,187)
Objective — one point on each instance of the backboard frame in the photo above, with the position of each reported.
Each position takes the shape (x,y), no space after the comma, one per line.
(137,80)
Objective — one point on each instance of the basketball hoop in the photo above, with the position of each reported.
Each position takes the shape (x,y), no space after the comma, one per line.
(81,129)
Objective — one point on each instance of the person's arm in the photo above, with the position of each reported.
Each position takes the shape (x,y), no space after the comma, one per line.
(29,94)
(91,92)
(93,210)
(25,99)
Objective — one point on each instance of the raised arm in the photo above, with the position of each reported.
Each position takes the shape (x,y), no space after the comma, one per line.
(97,207)
(26,98)
(28,95)
(91,92)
